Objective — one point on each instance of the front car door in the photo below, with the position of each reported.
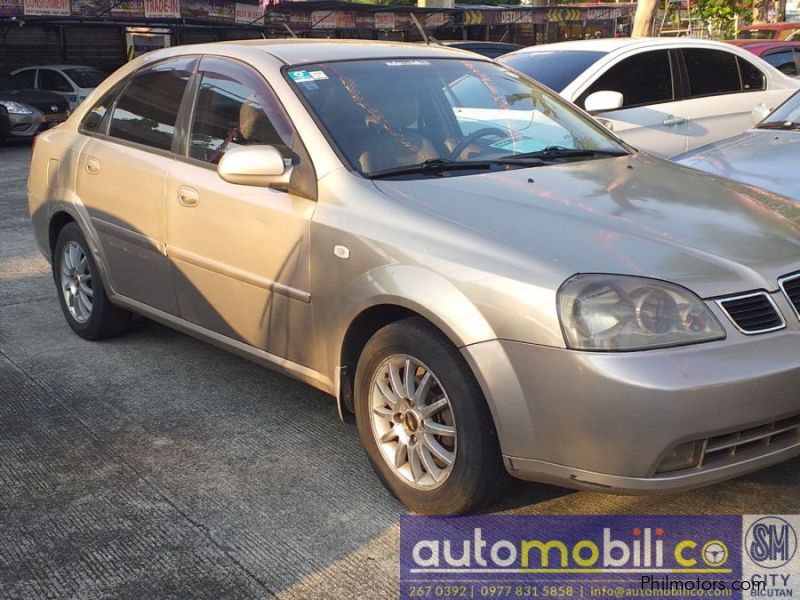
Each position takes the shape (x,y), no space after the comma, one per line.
(648,118)
(723,89)
(122,174)
(240,253)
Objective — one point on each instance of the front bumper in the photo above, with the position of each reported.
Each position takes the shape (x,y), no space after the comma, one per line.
(608,420)
(27,126)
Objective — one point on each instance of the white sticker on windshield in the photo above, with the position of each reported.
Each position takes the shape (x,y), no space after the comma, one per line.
(317,75)
(406,63)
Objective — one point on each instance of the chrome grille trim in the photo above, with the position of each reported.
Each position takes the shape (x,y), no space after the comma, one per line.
(782,283)
(722,301)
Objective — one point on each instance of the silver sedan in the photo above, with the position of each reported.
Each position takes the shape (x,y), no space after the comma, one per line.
(489,281)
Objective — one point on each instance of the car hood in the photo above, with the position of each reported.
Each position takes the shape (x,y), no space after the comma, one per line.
(765,158)
(635,214)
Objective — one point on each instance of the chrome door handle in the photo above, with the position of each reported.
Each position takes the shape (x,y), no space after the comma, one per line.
(188,197)
(92,166)
(674,120)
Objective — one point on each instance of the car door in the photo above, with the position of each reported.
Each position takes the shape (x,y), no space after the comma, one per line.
(240,253)
(122,174)
(52,81)
(26,77)
(722,91)
(648,118)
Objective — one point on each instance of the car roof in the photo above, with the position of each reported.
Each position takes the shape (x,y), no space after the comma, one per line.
(299,51)
(615,44)
(773,26)
(58,67)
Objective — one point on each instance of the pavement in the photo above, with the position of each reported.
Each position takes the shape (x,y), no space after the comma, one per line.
(157,466)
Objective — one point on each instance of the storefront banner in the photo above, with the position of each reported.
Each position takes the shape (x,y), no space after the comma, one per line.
(128,8)
(161,9)
(48,8)
(10,8)
(248,14)
(220,9)
(385,20)
(323,19)
(194,9)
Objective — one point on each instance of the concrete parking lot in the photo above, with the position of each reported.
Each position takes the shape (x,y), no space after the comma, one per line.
(155,466)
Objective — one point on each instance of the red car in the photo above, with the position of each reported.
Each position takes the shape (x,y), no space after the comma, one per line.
(784,56)
(768,31)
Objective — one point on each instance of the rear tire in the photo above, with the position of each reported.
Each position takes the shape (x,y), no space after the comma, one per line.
(81,292)
(430,438)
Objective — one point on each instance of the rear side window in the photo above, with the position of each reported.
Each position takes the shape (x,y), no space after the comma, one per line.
(644,78)
(711,72)
(783,60)
(147,110)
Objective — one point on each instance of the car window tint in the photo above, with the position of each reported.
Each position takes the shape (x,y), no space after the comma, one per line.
(234,107)
(752,77)
(147,110)
(96,120)
(53,81)
(783,60)
(556,69)
(711,71)
(644,78)
(26,78)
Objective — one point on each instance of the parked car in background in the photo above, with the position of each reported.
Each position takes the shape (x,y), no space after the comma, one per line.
(488,49)
(766,156)
(662,95)
(783,55)
(485,303)
(27,111)
(74,82)
(768,31)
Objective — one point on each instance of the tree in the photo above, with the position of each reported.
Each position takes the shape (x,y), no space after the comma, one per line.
(645,18)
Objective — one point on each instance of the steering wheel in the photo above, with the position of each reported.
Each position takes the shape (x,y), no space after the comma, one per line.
(475,136)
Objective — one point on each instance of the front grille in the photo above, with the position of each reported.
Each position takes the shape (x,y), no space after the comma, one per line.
(748,443)
(753,313)
(791,288)
(47,107)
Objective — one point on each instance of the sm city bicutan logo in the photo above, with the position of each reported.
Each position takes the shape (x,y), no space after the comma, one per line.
(646,550)
(771,542)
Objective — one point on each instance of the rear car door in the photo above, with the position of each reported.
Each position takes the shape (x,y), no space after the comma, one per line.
(240,253)
(648,118)
(122,174)
(722,91)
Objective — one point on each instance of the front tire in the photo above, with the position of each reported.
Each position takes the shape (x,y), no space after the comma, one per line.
(81,293)
(424,422)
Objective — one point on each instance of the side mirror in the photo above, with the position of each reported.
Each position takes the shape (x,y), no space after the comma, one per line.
(603,101)
(262,166)
(760,112)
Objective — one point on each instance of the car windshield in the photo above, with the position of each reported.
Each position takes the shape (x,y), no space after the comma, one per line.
(555,69)
(85,78)
(757,34)
(393,114)
(786,116)
(9,83)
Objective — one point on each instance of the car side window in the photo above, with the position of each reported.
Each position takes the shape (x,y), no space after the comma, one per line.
(53,81)
(711,72)
(96,120)
(752,77)
(147,109)
(235,107)
(26,78)
(645,78)
(783,60)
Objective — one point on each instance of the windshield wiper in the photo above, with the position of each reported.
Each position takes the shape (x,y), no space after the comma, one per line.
(555,152)
(779,125)
(434,166)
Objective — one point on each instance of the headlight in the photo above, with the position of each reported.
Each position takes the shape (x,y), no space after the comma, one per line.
(617,312)
(15,108)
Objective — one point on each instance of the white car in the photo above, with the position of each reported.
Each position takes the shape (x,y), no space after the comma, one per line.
(662,95)
(74,82)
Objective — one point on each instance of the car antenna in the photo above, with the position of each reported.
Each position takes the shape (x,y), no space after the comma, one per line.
(425,36)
